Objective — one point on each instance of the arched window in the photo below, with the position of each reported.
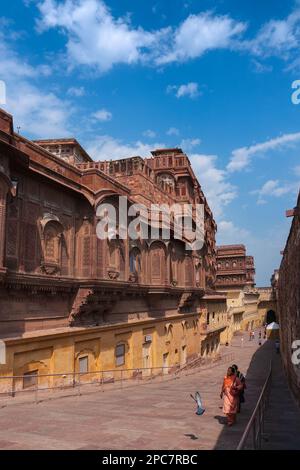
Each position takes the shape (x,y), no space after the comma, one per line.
(116,260)
(157,263)
(169,330)
(135,261)
(177,260)
(52,233)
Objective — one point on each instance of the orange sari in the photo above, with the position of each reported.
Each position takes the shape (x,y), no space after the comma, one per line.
(231,400)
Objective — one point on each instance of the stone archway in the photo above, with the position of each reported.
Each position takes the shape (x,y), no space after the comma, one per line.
(271,316)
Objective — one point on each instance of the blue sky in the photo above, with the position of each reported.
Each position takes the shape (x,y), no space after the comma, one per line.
(214,77)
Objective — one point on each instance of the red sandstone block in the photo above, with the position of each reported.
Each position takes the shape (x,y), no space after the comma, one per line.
(291,212)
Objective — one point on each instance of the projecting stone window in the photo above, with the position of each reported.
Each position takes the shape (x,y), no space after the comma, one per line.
(165,179)
(120,354)
(116,260)
(51,239)
(30,379)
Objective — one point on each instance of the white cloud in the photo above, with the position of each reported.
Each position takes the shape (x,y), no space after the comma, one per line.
(218,190)
(107,148)
(76,91)
(241,157)
(12,67)
(259,67)
(297,170)
(189,144)
(94,37)
(149,133)
(172,131)
(36,112)
(277,37)
(273,188)
(229,233)
(88,23)
(190,89)
(102,115)
(200,33)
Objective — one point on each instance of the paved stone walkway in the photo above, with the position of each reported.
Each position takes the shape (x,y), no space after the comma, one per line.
(282,425)
(151,416)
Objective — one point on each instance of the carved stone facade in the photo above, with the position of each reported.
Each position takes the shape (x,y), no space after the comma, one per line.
(236,278)
(234,267)
(59,281)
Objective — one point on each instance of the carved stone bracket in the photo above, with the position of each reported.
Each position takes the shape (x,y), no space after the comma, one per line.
(50,269)
(133,277)
(113,274)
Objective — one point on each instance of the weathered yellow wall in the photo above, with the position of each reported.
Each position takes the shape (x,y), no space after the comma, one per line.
(59,353)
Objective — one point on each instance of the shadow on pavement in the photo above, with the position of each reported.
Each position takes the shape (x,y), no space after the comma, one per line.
(255,377)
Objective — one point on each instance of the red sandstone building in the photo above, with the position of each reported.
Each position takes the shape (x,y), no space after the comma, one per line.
(72,302)
(234,268)
(236,278)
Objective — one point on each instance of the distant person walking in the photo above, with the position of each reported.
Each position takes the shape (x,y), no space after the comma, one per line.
(277,346)
(230,394)
(250,335)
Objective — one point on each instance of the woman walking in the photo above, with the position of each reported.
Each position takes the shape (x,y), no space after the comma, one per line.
(242,379)
(231,389)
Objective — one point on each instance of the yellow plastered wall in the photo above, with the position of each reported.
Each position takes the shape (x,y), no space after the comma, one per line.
(60,353)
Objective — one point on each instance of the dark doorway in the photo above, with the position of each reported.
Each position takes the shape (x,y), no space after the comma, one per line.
(271,316)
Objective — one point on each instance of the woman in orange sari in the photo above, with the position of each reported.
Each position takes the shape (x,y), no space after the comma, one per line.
(230,393)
